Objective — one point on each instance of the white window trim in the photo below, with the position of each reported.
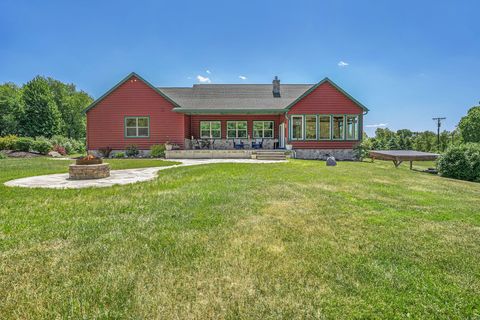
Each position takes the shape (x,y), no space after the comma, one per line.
(329,127)
(236,129)
(263,129)
(344,125)
(355,134)
(291,127)
(210,129)
(316,127)
(136,127)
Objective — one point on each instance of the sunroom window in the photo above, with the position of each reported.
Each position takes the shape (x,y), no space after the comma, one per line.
(237,129)
(210,129)
(324,127)
(297,127)
(137,127)
(263,129)
(311,127)
(338,127)
(352,127)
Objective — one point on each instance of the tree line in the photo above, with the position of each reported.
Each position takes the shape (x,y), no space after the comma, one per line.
(467,131)
(43,107)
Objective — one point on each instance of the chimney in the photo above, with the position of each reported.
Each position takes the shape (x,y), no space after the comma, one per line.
(276,87)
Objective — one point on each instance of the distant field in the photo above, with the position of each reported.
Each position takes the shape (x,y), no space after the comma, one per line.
(288,240)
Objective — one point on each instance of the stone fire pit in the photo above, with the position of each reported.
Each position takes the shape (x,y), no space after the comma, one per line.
(89,167)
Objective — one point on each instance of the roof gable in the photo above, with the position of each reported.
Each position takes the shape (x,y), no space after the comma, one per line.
(327,80)
(132,74)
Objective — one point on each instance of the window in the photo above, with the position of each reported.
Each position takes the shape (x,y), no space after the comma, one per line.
(324,127)
(263,129)
(352,127)
(210,129)
(297,127)
(338,127)
(311,127)
(237,129)
(137,127)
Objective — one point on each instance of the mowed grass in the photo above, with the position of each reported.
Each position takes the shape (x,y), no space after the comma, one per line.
(288,240)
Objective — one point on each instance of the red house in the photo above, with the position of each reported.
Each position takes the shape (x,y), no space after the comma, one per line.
(312,119)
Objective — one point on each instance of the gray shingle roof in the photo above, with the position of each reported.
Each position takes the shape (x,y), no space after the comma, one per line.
(231,97)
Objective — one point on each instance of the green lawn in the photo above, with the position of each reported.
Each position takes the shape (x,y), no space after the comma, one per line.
(288,240)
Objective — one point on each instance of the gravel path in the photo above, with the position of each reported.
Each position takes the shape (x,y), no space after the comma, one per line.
(127,176)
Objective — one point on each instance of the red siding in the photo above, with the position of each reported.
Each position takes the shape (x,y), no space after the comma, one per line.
(325,99)
(105,122)
(195,121)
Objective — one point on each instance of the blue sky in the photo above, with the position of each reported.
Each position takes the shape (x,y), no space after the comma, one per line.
(406,60)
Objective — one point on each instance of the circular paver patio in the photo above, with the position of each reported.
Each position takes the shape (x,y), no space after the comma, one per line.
(127,176)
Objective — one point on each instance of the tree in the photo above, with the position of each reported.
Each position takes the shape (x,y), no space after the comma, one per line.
(41,116)
(71,104)
(470,125)
(10,108)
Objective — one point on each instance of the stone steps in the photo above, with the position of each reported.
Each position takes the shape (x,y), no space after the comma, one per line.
(270,155)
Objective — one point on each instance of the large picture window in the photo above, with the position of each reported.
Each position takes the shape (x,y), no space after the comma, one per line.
(352,127)
(263,129)
(137,127)
(297,127)
(210,129)
(237,129)
(311,127)
(338,127)
(325,129)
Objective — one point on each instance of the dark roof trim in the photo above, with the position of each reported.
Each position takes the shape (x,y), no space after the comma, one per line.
(132,74)
(229,111)
(306,93)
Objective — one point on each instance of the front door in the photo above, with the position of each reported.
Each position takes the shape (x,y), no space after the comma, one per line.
(281,136)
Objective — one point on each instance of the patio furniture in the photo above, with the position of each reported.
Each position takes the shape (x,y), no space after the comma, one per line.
(257,144)
(238,146)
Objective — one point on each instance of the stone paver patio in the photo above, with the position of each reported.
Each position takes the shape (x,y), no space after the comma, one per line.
(117,177)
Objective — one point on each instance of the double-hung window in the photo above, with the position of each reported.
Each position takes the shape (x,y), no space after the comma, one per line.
(338,123)
(237,129)
(297,127)
(210,129)
(263,129)
(325,128)
(352,127)
(311,127)
(137,127)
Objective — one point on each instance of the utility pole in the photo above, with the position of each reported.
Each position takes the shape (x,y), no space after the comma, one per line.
(439,124)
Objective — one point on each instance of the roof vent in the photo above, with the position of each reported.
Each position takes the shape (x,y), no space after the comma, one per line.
(276,87)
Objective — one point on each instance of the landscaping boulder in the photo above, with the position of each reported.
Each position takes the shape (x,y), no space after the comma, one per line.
(55,154)
(331,161)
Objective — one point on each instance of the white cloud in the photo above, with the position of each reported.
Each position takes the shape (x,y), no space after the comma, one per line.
(377,125)
(208,71)
(243,77)
(343,64)
(203,79)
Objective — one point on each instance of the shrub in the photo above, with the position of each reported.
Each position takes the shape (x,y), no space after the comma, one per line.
(60,149)
(24,144)
(42,145)
(70,145)
(362,150)
(461,162)
(157,151)
(8,142)
(119,155)
(3,155)
(132,150)
(105,151)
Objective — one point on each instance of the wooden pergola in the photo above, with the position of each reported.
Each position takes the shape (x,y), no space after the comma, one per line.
(398,156)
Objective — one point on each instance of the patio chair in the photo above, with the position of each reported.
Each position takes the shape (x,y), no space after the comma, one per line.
(257,144)
(238,146)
